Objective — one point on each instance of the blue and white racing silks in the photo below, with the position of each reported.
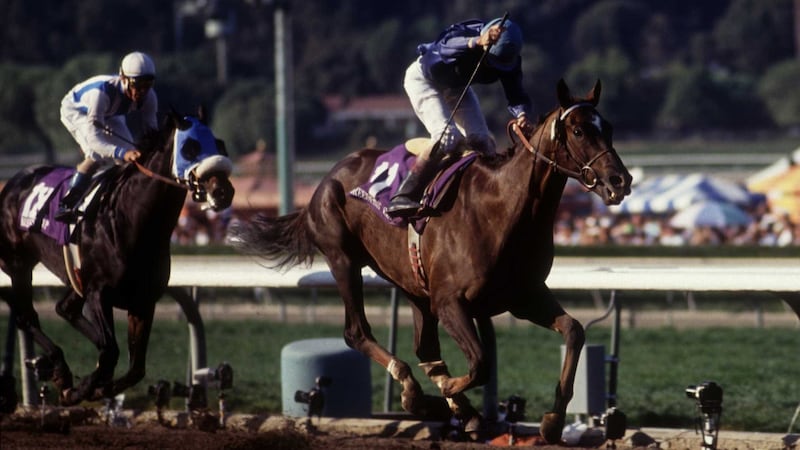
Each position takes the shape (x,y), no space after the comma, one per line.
(102,100)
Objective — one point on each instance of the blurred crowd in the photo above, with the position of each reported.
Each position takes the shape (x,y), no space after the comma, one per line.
(768,229)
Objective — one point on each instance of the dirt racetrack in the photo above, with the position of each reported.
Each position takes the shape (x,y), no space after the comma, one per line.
(86,429)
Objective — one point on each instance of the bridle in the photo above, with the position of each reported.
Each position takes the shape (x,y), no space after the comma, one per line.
(557,134)
(191,184)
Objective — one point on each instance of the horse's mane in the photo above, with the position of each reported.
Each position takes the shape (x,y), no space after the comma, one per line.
(155,140)
(504,156)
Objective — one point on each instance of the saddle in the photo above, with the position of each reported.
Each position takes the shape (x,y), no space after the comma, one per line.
(41,205)
(390,170)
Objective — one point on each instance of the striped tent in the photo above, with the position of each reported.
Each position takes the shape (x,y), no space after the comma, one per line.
(670,193)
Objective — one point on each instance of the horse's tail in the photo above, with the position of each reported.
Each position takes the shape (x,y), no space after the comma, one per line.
(283,241)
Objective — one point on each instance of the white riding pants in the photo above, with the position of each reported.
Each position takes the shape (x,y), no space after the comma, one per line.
(434,105)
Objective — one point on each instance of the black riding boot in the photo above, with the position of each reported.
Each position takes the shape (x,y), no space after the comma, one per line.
(406,201)
(78,185)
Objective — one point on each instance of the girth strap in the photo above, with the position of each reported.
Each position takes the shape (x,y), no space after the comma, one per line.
(415,257)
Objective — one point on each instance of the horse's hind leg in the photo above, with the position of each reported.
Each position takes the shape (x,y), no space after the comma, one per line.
(461,328)
(358,333)
(427,349)
(20,300)
(542,309)
(70,308)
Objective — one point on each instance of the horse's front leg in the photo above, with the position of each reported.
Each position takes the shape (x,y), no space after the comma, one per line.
(98,384)
(140,324)
(545,311)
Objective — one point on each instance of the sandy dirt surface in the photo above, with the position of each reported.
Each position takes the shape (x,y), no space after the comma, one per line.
(83,428)
(87,428)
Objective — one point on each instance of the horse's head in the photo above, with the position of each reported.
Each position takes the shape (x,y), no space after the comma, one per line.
(582,143)
(201,162)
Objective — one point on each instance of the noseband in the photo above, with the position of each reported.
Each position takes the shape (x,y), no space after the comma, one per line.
(555,126)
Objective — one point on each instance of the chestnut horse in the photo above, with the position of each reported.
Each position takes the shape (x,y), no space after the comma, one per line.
(489,251)
(124,239)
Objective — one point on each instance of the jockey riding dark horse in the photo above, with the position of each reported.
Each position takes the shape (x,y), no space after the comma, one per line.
(125,233)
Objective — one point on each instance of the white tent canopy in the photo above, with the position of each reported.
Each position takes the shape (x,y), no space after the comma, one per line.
(779,167)
(669,193)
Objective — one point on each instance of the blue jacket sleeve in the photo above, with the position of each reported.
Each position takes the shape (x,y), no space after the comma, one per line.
(454,41)
(519,102)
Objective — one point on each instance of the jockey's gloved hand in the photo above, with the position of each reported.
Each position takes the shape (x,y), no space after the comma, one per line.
(131,155)
(490,37)
(524,124)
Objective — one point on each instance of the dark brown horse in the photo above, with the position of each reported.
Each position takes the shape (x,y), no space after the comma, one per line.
(125,243)
(489,252)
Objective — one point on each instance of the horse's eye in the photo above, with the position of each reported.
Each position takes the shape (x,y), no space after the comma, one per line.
(577,132)
(191,149)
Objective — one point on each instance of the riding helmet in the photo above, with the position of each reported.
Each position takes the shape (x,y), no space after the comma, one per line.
(503,55)
(137,65)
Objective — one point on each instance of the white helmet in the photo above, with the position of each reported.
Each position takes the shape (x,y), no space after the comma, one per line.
(137,64)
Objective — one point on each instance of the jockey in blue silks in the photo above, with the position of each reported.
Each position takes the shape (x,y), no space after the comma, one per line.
(100,102)
(435,81)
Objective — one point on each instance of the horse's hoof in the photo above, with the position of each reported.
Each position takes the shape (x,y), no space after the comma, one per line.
(551,427)
(8,394)
(436,408)
(69,397)
(475,428)
(473,425)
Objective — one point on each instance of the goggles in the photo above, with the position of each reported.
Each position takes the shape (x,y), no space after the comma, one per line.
(143,82)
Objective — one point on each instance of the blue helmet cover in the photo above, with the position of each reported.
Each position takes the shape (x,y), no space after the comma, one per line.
(192,146)
(503,55)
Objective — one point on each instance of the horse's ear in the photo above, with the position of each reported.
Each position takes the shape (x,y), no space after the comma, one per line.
(179,122)
(594,94)
(201,114)
(221,147)
(564,96)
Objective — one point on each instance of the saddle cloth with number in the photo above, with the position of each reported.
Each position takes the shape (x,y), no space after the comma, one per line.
(39,208)
(390,170)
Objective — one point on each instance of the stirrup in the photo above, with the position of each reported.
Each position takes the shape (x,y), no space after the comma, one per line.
(67,215)
(402,206)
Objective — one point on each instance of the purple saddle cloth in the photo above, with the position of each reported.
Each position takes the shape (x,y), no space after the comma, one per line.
(391,169)
(41,205)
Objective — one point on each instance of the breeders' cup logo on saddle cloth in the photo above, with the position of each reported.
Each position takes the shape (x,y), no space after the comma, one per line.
(197,153)
(41,205)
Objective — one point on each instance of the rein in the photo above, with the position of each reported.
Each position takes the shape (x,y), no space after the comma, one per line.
(586,168)
(159,177)
(147,172)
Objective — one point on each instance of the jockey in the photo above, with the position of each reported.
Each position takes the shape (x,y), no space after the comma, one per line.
(105,101)
(435,81)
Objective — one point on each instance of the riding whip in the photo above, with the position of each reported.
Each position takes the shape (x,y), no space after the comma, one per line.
(469,82)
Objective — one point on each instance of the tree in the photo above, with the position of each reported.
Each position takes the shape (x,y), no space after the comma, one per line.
(623,88)
(698,99)
(779,90)
(610,24)
(19,130)
(244,114)
(753,34)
